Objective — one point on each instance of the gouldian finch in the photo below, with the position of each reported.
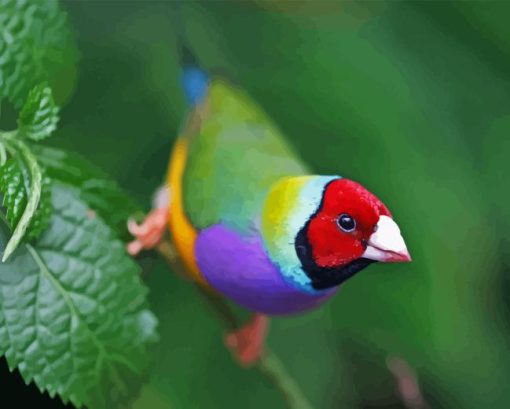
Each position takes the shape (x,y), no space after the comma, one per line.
(250,220)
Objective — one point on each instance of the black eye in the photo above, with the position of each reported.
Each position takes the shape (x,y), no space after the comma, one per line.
(346,223)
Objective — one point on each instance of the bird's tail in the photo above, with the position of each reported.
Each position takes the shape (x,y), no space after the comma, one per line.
(194,79)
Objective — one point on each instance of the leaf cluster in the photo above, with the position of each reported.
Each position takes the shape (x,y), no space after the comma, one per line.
(74,317)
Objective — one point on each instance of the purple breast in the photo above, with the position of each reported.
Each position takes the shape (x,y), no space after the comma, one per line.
(238,267)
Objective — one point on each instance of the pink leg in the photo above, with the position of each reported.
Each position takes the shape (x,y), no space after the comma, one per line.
(148,234)
(247,343)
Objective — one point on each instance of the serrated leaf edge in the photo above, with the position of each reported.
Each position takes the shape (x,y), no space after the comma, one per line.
(74,312)
(38,96)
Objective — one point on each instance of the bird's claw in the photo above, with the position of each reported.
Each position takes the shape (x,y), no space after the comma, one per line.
(247,343)
(149,233)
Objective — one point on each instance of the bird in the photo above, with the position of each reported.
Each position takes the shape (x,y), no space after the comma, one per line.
(251,221)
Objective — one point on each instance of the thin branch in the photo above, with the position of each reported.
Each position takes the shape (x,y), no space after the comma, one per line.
(273,369)
(407,383)
(269,364)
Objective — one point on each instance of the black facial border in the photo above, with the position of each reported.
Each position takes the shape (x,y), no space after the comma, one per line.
(324,277)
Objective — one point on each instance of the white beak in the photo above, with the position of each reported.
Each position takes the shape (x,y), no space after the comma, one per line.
(386,243)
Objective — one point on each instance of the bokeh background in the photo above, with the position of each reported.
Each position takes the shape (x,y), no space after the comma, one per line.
(412,99)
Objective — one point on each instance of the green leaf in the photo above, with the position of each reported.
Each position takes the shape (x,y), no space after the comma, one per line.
(15,187)
(35,45)
(102,194)
(33,195)
(39,116)
(42,215)
(73,310)
(14,184)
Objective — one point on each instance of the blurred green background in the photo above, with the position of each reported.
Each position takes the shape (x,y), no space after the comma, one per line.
(412,99)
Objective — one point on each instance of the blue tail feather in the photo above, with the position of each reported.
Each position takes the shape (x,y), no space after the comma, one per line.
(194,79)
(194,82)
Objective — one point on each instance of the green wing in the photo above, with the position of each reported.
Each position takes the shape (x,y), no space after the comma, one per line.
(233,160)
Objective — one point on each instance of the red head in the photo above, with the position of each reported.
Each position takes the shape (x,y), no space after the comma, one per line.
(351,229)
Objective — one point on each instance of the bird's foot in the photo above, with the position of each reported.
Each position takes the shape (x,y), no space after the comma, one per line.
(148,234)
(247,343)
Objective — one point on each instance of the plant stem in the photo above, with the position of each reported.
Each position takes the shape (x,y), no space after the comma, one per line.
(269,364)
(273,369)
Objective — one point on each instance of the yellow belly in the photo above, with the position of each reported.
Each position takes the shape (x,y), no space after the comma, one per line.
(183,233)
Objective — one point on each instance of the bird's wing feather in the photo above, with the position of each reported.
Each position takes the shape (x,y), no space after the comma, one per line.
(234,156)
